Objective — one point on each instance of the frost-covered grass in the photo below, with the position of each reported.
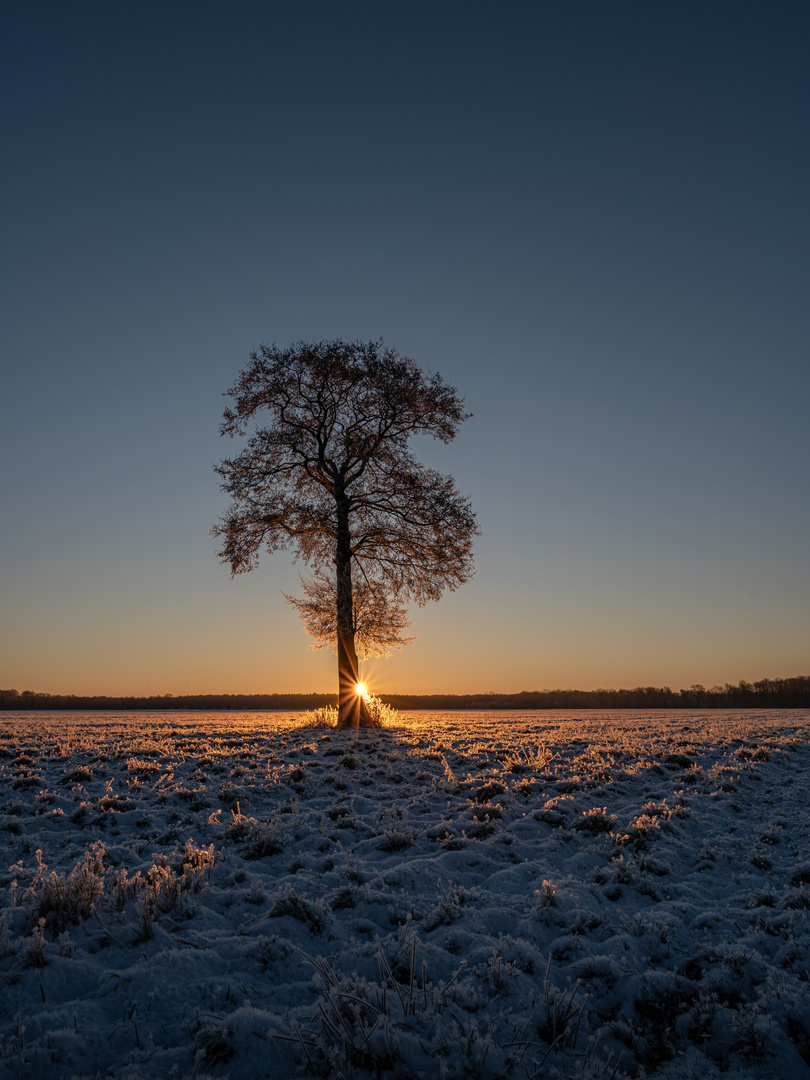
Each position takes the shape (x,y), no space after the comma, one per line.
(459,895)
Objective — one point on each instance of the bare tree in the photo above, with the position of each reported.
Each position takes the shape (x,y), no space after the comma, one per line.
(331,476)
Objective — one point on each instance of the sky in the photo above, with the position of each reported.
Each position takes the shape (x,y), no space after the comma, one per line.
(590,218)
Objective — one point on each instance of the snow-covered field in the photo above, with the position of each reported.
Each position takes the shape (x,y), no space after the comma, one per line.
(463,895)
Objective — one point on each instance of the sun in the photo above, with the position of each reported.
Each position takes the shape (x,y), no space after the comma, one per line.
(361,690)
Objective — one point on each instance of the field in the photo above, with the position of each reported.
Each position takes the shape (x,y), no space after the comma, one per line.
(525,895)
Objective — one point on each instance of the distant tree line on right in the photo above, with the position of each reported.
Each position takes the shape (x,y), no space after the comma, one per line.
(793,693)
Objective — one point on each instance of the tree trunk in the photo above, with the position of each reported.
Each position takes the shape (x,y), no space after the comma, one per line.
(352,711)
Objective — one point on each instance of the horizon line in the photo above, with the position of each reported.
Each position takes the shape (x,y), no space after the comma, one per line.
(743,684)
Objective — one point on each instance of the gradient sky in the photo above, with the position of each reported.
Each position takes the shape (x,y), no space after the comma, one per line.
(591,217)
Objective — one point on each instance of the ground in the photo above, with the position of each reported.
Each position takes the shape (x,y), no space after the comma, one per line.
(577,895)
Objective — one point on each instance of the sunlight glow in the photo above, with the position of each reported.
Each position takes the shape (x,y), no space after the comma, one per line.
(361,690)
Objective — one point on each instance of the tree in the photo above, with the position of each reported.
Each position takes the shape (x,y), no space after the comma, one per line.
(331,476)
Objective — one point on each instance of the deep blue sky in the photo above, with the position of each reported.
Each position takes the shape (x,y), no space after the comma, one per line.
(592,218)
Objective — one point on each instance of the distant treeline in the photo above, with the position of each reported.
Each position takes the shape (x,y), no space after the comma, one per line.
(765,694)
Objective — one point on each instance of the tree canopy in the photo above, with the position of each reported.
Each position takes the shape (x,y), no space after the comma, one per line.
(327,471)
